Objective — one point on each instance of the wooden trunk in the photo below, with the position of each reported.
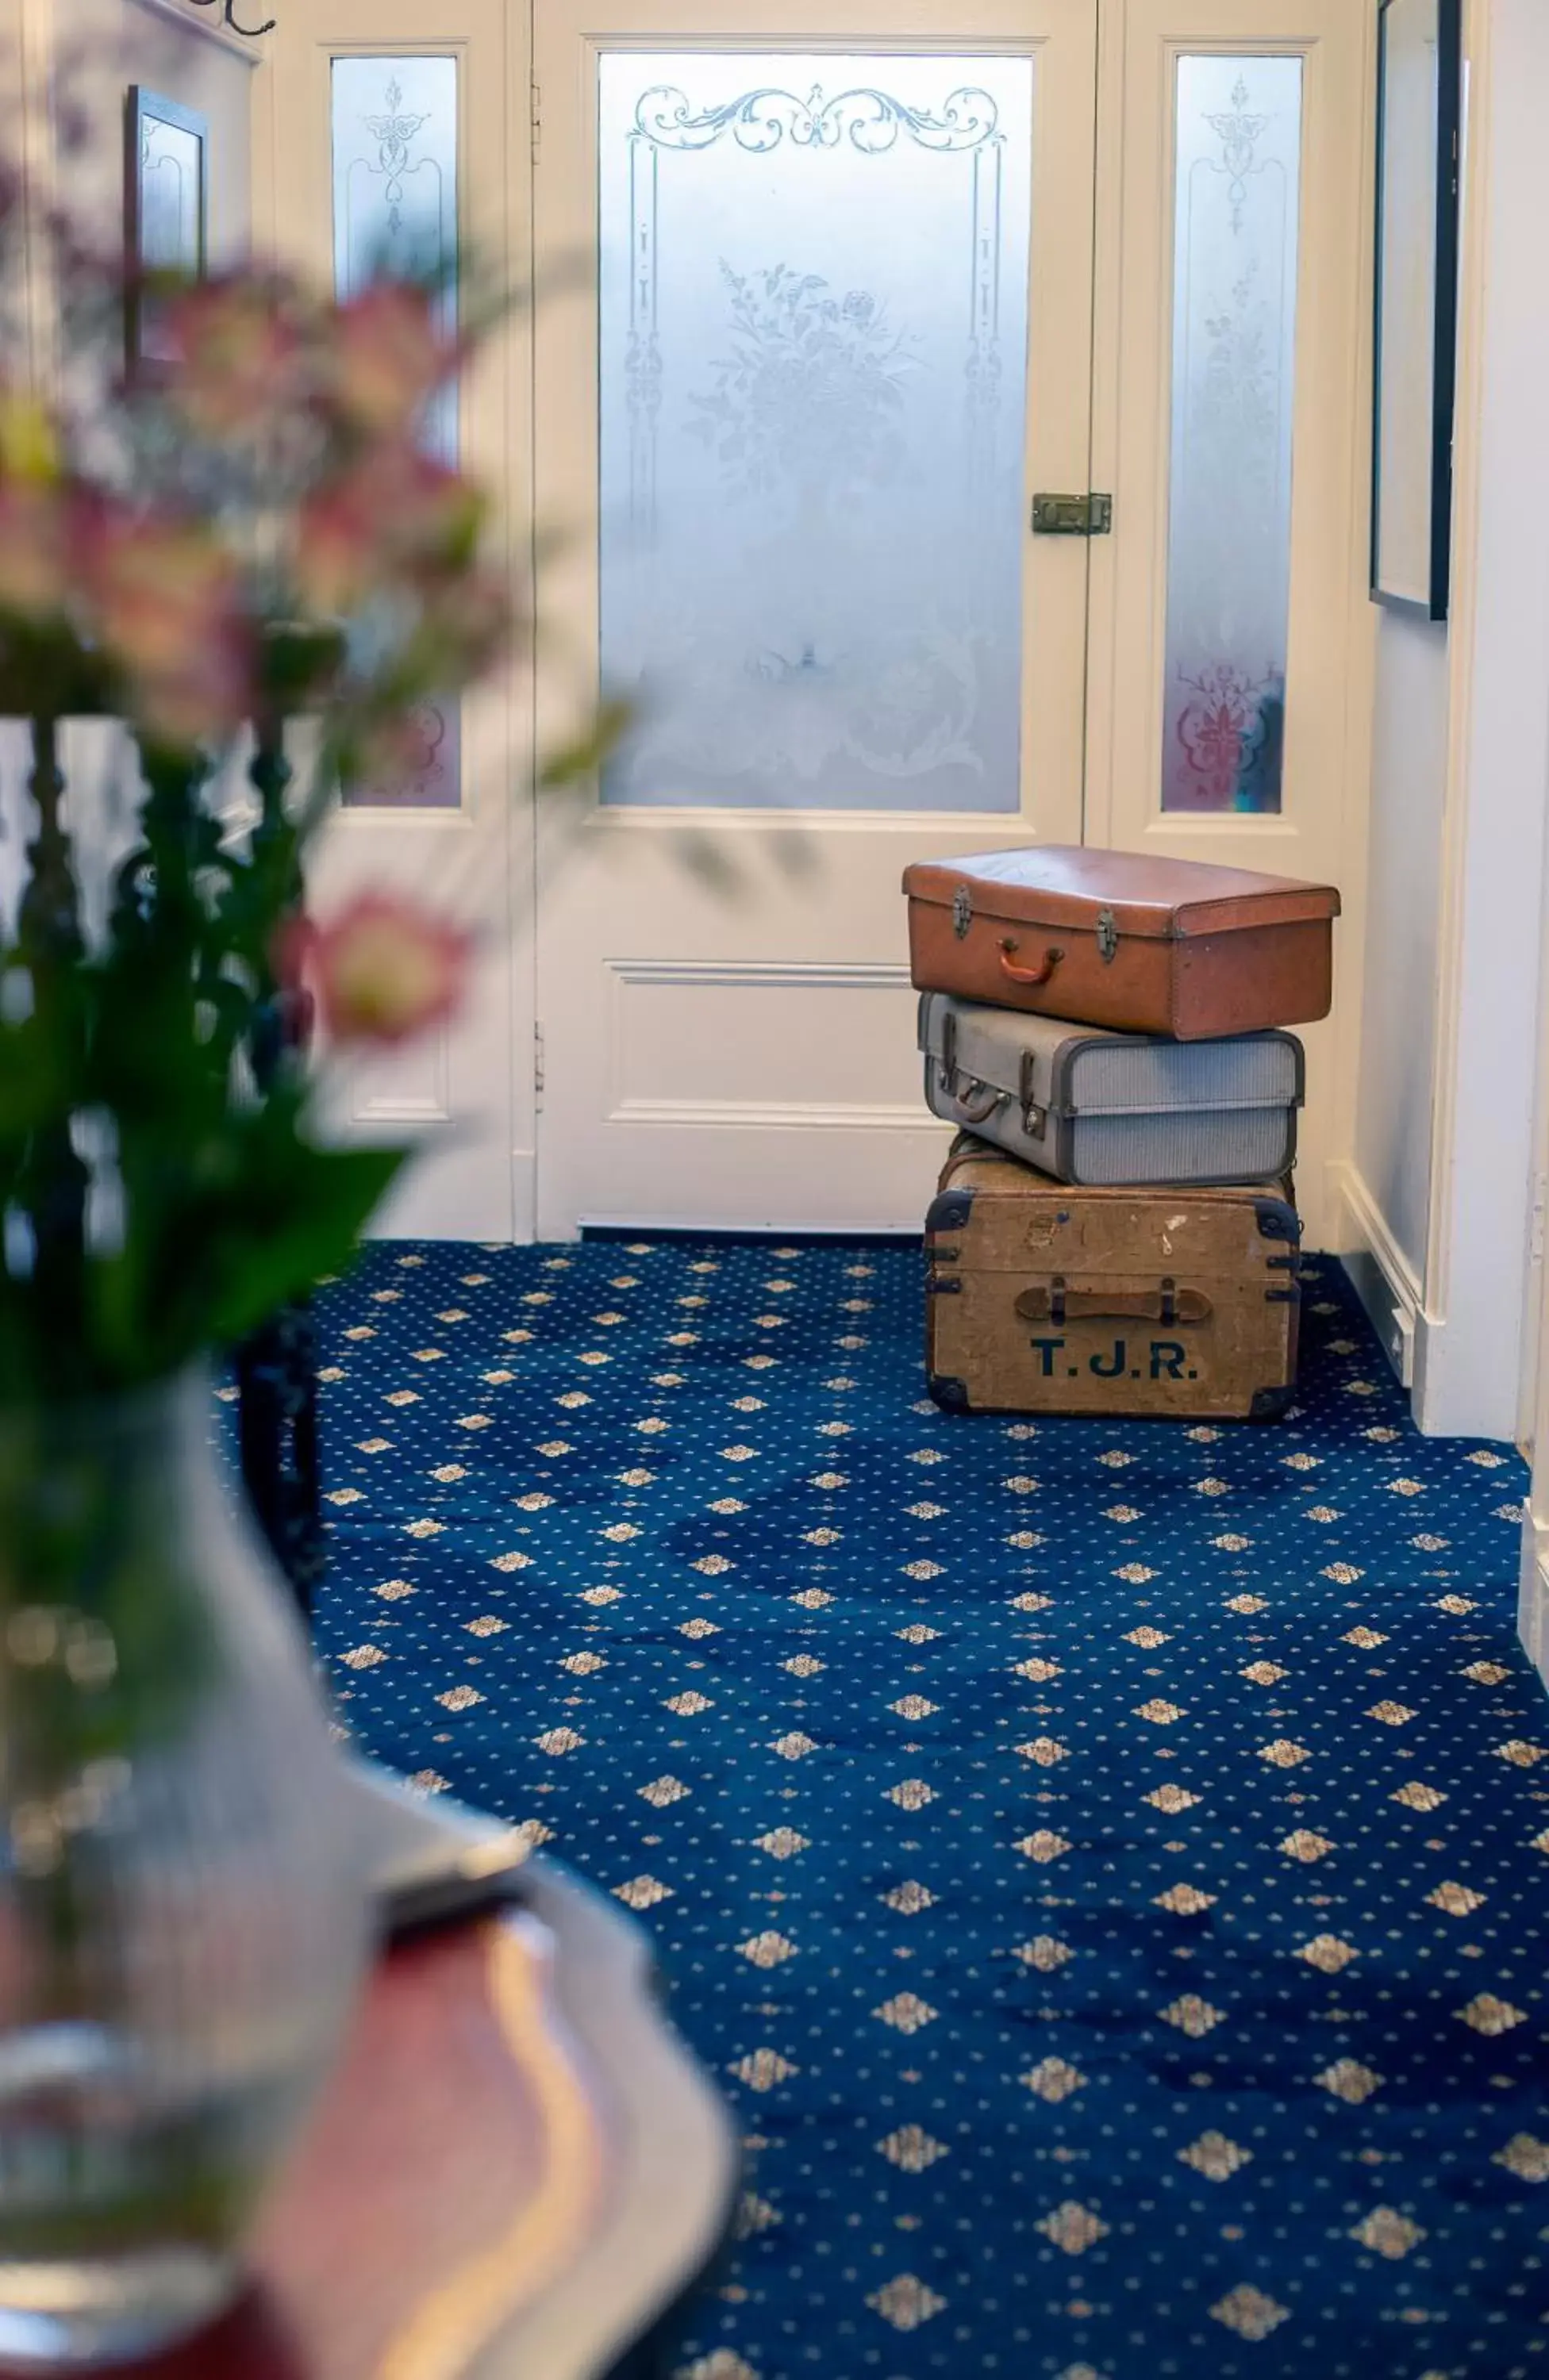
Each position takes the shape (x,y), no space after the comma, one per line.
(1177,1304)
(1142,944)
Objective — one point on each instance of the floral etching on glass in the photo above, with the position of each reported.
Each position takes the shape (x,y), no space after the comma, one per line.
(812,451)
(395,168)
(1233,388)
(807,402)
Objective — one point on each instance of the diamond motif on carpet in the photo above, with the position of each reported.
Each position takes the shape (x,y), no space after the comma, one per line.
(1103,1862)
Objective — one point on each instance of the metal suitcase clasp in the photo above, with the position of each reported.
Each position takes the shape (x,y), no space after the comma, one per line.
(1034,1117)
(975,1101)
(1107,936)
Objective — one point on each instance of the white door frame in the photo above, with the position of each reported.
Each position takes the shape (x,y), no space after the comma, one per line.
(1321,832)
(467,1089)
(1476,1367)
(621,1142)
(1332,627)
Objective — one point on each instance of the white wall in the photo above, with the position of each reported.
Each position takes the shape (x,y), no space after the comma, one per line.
(1473,1350)
(107,45)
(217,80)
(1439,1191)
(1403,891)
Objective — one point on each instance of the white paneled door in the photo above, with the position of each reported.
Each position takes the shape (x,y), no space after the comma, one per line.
(1229,701)
(819,322)
(385,141)
(823,304)
(833,301)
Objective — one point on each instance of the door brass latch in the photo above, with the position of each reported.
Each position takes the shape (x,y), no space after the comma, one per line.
(1072,516)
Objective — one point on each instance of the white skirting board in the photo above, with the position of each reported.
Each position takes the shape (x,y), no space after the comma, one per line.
(1382,1277)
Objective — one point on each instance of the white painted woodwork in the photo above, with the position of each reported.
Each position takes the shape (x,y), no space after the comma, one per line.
(616,898)
(1321,832)
(466,1091)
(751,1060)
(1476,1355)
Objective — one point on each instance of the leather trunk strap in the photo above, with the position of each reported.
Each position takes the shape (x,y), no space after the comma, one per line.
(1063,1302)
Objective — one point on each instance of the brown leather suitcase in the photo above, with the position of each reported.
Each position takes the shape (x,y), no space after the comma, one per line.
(1118,937)
(1043,1299)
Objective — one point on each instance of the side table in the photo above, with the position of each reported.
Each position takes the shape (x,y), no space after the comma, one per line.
(517,2172)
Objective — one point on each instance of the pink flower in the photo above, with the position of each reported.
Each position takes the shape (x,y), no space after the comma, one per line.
(395,513)
(35,536)
(154,578)
(387,357)
(339,550)
(168,599)
(239,349)
(382,971)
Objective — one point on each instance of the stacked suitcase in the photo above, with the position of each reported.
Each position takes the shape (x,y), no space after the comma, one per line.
(1115,1230)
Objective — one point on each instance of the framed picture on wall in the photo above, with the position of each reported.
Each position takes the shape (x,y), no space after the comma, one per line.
(166,214)
(1419,140)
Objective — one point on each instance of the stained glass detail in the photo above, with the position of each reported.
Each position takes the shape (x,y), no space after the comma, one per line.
(394,159)
(1238,189)
(813,376)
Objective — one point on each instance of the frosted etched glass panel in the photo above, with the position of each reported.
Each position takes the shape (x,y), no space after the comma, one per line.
(1234,342)
(396,188)
(395,154)
(814,283)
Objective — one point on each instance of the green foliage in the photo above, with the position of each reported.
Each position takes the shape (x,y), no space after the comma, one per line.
(163,1188)
(258,534)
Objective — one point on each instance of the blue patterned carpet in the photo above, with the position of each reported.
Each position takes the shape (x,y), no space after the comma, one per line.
(1105,1863)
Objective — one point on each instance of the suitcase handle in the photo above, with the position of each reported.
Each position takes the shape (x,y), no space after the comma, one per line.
(974,1103)
(1167,1304)
(1034,975)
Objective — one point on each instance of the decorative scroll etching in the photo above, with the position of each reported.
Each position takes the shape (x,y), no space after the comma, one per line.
(1234,334)
(813,374)
(870,120)
(395,171)
(394,145)
(1238,133)
(395,134)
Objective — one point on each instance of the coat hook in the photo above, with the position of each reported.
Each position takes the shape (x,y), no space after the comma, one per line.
(229,17)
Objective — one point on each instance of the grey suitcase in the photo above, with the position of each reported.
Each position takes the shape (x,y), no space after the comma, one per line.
(1114,1109)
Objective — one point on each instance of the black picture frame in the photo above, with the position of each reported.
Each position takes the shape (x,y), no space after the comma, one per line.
(1444,233)
(146,113)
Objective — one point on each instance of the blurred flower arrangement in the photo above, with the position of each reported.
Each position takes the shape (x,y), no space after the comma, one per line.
(252,533)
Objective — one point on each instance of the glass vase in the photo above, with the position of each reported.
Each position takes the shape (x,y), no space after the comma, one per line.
(182,1922)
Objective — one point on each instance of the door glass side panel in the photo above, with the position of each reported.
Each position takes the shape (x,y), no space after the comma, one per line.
(1238,134)
(813,384)
(394,163)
